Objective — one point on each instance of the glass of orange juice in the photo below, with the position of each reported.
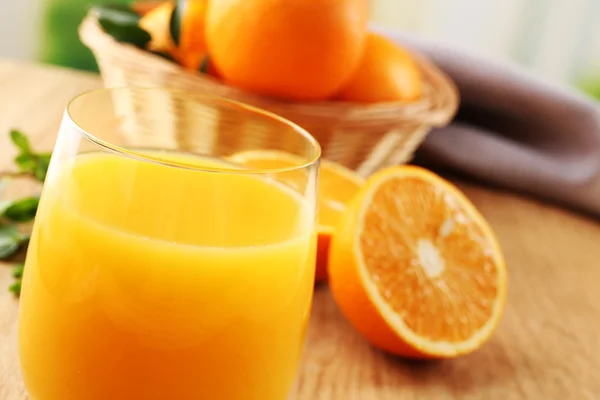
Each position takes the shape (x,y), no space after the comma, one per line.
(158,268)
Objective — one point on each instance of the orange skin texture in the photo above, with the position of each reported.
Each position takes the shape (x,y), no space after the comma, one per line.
(211,70)
(386,72)
(192,45)
(289,49)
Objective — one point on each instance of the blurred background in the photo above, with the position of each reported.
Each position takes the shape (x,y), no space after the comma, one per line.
(559,39)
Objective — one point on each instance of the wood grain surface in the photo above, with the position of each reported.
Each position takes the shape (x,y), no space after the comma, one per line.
(546,347)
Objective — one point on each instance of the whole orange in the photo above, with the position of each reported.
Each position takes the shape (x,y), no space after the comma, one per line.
(290,49)
(386,72)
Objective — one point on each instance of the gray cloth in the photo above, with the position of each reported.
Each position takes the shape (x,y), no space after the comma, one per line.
(516,130)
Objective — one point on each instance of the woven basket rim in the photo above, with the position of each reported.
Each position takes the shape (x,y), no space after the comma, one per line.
(436,108)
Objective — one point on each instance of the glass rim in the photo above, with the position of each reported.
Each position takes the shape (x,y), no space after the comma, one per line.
(205,98)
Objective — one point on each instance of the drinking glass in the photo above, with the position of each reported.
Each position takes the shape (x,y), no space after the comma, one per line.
(160,266)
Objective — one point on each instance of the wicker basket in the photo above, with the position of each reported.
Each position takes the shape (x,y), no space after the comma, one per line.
(362,137)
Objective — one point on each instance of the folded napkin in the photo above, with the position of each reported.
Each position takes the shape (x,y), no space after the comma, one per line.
(515,130)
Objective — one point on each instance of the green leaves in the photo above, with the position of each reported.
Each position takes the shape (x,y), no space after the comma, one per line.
(165,55)
(41,168)
(10,240)
(126,33)
(17,273)
(13,242)
(204,65)
(18,270)
(22,210)
(121,23)
(118,13)
(21,141)
(27,161)
(15,288)
(176,20)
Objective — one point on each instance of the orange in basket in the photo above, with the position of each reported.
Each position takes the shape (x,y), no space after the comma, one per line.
(362,137)
(415,268)
(386,72)
(291,49)
(337,186)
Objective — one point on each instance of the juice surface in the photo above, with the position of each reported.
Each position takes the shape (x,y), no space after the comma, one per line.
(151,282)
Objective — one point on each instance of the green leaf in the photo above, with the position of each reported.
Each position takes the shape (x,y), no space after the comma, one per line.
(26,162)
(3,206)
(45,157)
(125,32)
(121,22)
(204,65)
(22,210)
(24,240)
(176,20)
(20,140)
(164,55)
(41,168)
(17,271)
(117,13)
(15,288)
(9,241)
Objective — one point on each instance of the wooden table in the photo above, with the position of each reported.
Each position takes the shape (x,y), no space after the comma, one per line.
(546,347)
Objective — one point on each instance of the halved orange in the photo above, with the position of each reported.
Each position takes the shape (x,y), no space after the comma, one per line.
(337,186)
(415,268)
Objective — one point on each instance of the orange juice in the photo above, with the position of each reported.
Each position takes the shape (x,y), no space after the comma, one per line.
(152,282)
